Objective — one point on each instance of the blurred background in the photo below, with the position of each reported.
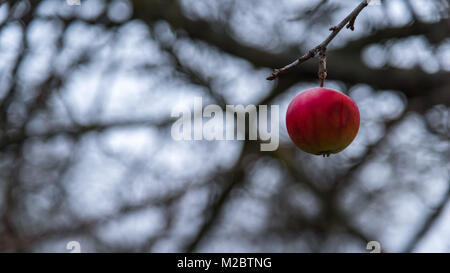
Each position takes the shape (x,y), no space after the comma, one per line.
(86,154)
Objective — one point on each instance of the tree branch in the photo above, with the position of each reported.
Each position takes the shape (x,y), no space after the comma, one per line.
(349,21)
(427,223)
(231,179)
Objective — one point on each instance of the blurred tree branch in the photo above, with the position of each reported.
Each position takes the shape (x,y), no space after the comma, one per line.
(427,223)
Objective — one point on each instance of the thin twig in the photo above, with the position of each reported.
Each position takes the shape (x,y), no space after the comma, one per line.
(349,21)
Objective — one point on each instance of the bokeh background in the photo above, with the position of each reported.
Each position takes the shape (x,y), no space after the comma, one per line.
(86,153)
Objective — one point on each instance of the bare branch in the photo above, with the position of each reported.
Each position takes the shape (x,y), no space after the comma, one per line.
(350,20)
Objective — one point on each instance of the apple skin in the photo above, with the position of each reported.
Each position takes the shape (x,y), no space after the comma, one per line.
(322,121)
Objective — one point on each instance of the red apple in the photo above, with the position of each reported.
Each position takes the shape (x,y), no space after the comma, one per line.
(322,121)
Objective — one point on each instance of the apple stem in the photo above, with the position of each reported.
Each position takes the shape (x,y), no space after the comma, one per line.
(322,65)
